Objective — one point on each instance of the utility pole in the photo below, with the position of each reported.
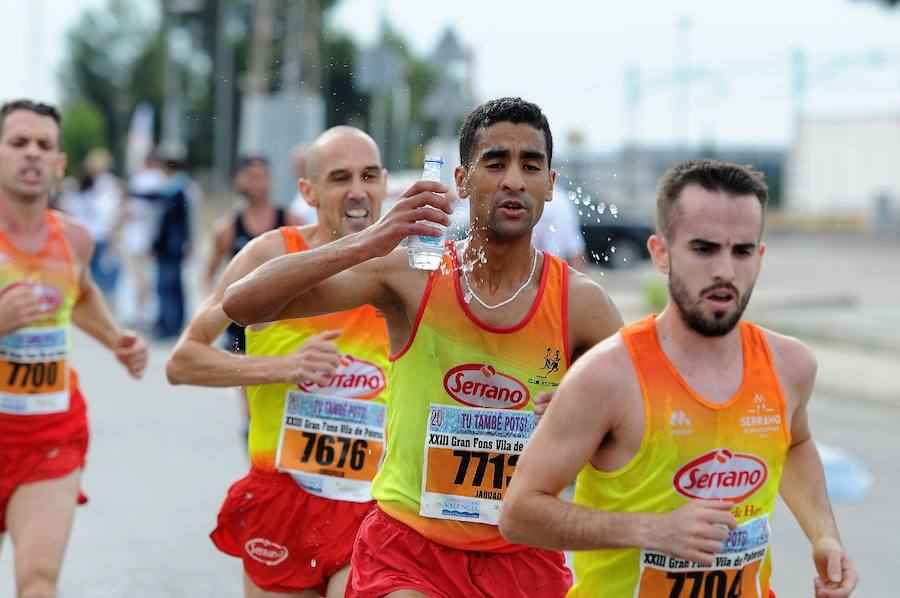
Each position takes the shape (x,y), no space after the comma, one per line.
(681,83)
(223,138)
(260,51)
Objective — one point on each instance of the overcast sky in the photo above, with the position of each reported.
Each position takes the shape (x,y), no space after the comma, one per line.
(571,57)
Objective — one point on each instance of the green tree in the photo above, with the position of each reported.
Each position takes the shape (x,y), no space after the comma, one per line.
(83,128)
(103,49)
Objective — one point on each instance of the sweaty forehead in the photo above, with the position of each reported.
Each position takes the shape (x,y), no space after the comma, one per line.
(25,123)
(514,137)
(717,216)
(347,152)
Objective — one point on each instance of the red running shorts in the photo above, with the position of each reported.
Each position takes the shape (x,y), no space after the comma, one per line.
(288,539)
(390,556)
(47,461)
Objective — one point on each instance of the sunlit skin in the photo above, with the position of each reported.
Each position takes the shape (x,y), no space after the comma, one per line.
(254,182)
(713,258)
(508,181)
(346,184)
(30,156)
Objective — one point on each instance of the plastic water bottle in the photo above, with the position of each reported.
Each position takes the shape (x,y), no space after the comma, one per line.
(424,252)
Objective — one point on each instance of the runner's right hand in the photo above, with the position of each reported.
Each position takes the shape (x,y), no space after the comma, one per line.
(696,532)
(315,361)
(400,222)
(19,307)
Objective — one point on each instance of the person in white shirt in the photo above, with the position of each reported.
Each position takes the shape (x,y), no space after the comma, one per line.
(559,231)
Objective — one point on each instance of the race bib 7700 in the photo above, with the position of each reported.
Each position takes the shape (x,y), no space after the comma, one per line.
(33,372)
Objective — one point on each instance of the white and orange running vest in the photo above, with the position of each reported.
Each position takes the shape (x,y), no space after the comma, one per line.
(38,402)
(460,408)
(692,449)
(329,437)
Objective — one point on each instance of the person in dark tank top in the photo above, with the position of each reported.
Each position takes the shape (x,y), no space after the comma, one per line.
(257,214)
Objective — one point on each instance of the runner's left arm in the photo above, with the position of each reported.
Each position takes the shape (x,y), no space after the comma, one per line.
(803,479)
(91,313)
(195,360)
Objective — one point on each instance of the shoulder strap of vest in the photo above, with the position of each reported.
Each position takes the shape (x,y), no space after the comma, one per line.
(293,240)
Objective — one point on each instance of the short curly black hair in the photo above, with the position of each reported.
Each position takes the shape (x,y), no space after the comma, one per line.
(514,110)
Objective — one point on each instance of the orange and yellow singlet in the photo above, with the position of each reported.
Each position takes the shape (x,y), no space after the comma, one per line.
(461,408)
(692,449)
(37,398)
(329,437)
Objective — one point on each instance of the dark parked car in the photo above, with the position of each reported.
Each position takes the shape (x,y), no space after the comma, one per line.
(616,242)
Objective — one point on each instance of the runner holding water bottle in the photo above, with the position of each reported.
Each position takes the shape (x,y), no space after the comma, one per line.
(469,341)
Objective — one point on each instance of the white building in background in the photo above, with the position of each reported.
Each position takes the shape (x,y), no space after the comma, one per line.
(846,167)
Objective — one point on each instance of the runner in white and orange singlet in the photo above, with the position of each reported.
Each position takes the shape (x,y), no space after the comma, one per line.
(315,389)
(45,287)
(473,343)
(684,426)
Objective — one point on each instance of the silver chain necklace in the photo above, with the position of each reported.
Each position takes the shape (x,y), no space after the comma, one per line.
(470,292)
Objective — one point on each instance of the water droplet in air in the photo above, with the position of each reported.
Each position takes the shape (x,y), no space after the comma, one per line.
(552,228)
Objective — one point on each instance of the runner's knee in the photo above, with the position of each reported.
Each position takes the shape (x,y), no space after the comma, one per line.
(36,580)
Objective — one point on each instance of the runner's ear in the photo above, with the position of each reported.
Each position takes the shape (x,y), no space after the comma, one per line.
(460,177)
(60,169)
(659,253)
(306,190)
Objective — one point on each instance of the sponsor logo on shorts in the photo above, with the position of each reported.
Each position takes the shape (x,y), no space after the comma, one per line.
(480,385)
(354,379)
(722,475)
(265,552)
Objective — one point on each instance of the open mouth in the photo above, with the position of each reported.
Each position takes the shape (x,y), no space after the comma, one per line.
(720,297)
(512,207)
(31,174)
(356,213)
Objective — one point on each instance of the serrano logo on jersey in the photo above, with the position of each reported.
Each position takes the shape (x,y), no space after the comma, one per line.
(479,385)
(354,379)
(267,553)
(722,475)
(49,297)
